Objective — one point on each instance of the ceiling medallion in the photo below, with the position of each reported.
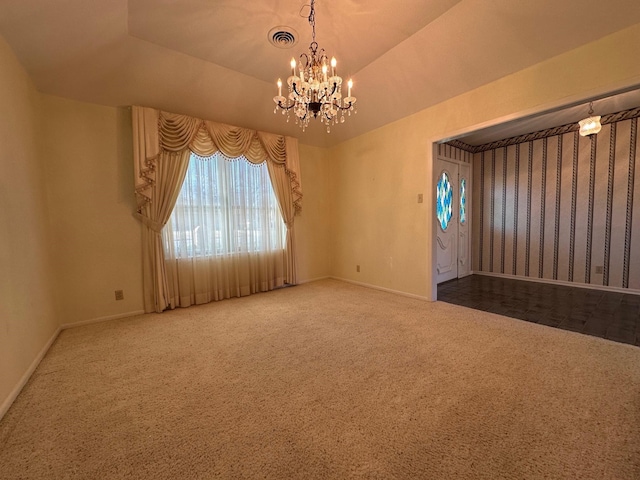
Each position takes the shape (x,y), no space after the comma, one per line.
(316,92)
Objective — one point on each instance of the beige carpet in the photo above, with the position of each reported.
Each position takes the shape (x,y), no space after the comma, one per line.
(326,380)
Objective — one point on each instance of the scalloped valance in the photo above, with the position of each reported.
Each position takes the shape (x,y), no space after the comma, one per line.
(173,133)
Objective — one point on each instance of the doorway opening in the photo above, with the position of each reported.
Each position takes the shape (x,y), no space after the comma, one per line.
(496,132)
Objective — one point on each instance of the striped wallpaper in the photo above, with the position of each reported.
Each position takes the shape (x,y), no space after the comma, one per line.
(561,207)
(449,151)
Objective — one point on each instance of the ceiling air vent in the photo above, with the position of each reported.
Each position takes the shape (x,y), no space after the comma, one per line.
(283,37)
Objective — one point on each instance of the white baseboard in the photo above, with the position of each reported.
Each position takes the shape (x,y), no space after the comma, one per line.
(4,408)
(560,282)
(64,326)
(376,287)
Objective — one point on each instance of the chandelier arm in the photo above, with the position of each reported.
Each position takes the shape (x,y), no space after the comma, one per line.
(285,107)
(307,59)
(335,104)
(335,88)
(327,94)
(295,90)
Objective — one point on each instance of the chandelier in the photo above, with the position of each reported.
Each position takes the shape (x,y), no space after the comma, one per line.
(317,90)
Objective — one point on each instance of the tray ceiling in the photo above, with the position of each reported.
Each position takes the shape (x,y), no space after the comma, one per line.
(212,58)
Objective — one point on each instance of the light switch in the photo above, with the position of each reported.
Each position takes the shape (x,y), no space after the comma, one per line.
(420,198)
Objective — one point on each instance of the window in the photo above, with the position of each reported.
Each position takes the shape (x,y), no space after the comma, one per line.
(463,201)
(226,206)
(444,197)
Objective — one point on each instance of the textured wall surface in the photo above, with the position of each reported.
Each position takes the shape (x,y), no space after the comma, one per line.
(563,207)
(95,241)
(313,237)
(27,304)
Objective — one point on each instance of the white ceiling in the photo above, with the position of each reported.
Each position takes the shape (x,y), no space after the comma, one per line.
(212,58)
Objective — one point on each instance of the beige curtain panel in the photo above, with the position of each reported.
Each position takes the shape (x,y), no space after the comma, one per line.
(163,143)
(221,246)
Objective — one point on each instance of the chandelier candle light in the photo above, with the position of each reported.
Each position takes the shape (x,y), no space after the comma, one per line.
(315,93)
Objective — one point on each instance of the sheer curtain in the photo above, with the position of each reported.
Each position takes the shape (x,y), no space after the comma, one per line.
(162,145)
(226,236)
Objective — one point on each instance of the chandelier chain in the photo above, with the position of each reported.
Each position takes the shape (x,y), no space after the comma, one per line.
(312,20)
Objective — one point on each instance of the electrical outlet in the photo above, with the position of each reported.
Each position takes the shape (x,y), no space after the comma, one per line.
(420,198)
(119,294)
(357,268)
(599,270)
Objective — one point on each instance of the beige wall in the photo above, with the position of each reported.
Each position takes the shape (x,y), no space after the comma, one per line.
(377,222)
(312,226)
(96,242)
(375,178)
(27,310)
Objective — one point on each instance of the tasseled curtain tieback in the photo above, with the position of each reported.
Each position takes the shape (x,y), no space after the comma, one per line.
(153,225)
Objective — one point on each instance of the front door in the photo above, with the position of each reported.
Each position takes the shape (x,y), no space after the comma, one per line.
(446,220)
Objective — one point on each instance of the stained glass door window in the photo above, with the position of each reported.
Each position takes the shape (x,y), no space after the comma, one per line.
(444,198)
(463,201)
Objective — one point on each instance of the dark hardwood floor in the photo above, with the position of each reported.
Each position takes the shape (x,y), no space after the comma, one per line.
(611,315)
